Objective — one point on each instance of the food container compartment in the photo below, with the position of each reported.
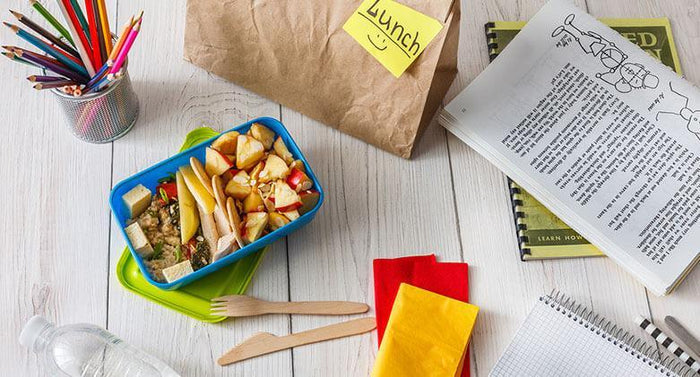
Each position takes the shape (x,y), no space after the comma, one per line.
(150,176)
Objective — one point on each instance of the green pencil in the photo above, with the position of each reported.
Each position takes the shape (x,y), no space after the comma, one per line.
(81,18)
(52,20)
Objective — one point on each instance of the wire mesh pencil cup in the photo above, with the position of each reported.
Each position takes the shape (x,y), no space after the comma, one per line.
(104,116)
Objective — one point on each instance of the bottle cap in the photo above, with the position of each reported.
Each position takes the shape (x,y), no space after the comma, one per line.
(31,331)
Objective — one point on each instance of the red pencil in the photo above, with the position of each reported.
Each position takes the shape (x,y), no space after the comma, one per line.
(94,38)
(81,43)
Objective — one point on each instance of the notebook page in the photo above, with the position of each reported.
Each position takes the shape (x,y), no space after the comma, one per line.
(549,343)
(600,132)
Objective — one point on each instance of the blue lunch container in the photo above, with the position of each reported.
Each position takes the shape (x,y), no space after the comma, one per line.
(150,176)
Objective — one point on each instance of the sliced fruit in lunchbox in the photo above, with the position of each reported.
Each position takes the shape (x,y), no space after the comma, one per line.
(189,218)
(211,235)
(216,163)
(275,168)
(309,199)
(263,134)
(282,151)
(291,215)
(235,221)
(299,181)
(255,173)
(286,199)
(201,174)
(277,220)
(248,152)
(226,143)
(222,222)
(253,202)
(239,186)
(200,194)
(298,164)
(255,223)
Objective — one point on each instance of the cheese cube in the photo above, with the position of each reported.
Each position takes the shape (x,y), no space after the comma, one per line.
(137,200)
(139,240)
(177,271)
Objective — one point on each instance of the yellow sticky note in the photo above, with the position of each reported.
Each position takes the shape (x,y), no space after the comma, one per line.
(427,335)
(392,32)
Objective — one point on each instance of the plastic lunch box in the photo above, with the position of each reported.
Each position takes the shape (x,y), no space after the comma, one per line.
(149,178)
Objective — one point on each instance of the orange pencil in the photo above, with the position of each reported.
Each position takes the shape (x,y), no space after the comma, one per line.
(104,22)
(122,38)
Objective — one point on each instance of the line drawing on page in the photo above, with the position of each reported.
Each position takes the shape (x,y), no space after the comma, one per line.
(624,76)
(685,113)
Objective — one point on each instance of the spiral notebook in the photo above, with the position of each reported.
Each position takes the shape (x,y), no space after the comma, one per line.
(562,338)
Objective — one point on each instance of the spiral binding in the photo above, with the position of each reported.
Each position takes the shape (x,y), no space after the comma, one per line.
(519,216)
(648,353)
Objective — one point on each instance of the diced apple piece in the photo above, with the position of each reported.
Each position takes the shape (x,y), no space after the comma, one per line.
(201,174)
(263,134)
(235,221)
(298,164)
(255,173)
(137,200)
(275,168)
(286,199)
(226,143)
(282,151)
(253,202)
(277,220)
(299,181)
(189,218)
(200,194)
(309,198)
(292,215)
(216,163)
(239,186)
(248,152)
(255,223)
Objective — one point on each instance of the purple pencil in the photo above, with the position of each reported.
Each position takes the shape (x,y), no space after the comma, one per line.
(51,66)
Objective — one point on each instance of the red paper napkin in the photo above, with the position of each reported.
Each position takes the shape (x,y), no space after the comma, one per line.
(447,279)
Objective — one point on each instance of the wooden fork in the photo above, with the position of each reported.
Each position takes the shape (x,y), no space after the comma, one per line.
(245,306)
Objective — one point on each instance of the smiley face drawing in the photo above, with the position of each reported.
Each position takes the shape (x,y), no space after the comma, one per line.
(381,46)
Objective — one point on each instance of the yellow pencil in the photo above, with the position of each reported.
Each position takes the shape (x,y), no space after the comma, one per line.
(104,23)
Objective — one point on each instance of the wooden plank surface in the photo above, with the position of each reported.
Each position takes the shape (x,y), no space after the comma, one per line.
(448,200)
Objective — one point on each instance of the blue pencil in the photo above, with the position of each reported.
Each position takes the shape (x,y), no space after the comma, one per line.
(47,49)
(100,73)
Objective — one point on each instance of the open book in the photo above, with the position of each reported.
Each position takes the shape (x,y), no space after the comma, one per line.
(600,132)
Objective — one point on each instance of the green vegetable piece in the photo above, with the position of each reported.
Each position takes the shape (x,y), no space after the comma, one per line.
(178,254)
(157,251)
(164,195)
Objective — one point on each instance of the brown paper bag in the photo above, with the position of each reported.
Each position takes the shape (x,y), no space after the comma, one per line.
(297,53)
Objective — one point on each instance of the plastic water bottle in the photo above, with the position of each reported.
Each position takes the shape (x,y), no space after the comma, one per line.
(84,350)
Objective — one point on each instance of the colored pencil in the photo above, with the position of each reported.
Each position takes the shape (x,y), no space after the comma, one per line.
(16,58)
(103,83)
(45,33)
(80,40)
(51,20)
(43,58)
(75,7)
(39,78)
(119,61)
(51,66)
(43,46)
(122,38)
(104,23)
(92,28)
(100,37)
(55,84)
(100,74)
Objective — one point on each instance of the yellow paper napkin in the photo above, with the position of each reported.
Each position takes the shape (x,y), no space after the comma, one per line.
(427,335)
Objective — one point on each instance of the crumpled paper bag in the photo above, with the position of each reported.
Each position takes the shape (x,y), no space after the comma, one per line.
(427,335)
(297,53)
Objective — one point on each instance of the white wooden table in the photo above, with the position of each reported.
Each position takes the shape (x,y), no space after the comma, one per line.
(61,245)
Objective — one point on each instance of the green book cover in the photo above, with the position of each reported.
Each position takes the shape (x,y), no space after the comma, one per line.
(541,234)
